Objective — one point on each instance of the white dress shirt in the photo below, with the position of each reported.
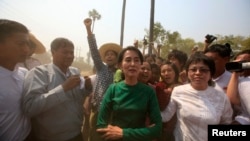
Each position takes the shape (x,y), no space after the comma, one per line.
(221,82)
(14,126)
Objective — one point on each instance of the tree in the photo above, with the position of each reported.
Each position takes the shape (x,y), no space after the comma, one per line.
(95,16)
(167,41)
(186,45)
(159,36)
(246,43)
(237,43)
(173,38)
(172,41)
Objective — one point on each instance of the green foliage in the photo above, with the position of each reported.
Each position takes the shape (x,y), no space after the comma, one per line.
(173,40)
(245,43)
(95,16)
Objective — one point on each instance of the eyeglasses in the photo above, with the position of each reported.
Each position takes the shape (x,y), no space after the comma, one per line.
(201,70)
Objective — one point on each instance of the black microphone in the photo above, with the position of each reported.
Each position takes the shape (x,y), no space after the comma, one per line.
(237,66)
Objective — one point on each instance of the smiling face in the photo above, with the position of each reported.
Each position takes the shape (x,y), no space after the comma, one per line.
(110,58)
(145,72)
(199,75)
(63,57)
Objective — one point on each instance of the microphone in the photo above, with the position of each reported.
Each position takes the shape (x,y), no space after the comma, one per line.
(237,66)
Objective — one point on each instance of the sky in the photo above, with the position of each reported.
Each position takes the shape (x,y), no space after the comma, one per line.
(49,19)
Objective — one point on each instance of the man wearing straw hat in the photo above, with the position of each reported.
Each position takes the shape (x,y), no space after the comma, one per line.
(105,60)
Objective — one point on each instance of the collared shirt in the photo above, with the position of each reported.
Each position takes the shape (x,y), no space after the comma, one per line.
(221,82)
(104,76)
(196,110)
(29,63)
(244,94)
(56,115)
(14,125)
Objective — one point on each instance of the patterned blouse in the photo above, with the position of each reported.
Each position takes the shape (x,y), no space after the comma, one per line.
(104,75)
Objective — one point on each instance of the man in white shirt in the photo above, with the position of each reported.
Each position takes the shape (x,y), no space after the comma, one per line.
(221,55)
(14,48)
(238,89)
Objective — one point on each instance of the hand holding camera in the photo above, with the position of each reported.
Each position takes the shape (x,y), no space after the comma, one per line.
(210,38)
(237,66)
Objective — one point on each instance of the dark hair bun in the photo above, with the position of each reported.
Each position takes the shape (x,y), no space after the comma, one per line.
(228,45)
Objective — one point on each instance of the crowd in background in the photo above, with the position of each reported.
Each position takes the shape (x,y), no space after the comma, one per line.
(129,96)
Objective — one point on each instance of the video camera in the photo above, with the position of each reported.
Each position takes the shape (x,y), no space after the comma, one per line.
(237,66)
(210,38)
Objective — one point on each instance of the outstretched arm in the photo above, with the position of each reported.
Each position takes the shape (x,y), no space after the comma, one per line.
(98,63)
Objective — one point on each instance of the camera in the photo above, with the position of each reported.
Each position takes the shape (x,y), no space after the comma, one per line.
(210,38)
(237,66)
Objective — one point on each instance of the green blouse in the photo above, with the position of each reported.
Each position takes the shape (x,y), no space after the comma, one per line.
(128,107)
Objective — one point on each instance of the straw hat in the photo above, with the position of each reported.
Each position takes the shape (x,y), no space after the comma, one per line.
(39,46)
(109,46)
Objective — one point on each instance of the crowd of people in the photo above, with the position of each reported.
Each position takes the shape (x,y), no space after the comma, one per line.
(130,96)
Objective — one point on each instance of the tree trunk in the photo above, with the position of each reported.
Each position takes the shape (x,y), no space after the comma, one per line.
(93,25)
(122,22)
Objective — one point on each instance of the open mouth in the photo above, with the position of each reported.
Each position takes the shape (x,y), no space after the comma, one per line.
(132,70)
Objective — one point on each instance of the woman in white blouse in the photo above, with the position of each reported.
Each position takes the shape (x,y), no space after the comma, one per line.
(197,103)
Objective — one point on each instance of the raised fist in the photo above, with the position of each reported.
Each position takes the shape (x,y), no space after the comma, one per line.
(87,22)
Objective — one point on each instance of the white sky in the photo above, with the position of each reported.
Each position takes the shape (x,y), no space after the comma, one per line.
(48,19)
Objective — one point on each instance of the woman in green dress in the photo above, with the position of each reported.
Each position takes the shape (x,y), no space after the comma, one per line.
(126,104)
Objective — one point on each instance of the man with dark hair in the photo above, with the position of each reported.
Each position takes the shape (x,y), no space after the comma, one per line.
(178,57)
(238,90)
(221,55)
(54,95)
(14,48)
